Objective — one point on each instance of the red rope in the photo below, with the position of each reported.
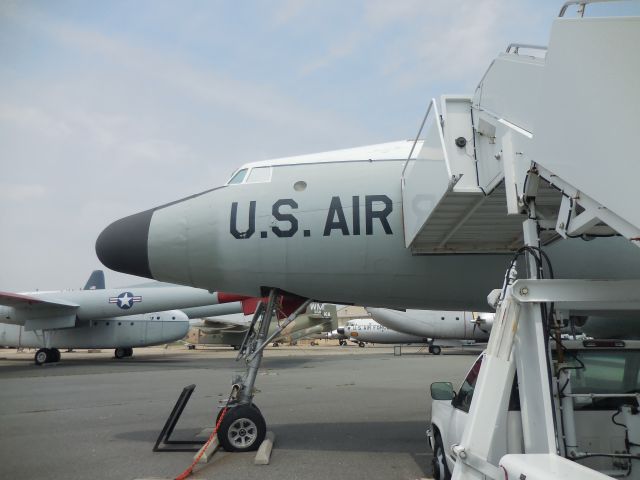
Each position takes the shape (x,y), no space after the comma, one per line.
(189,470)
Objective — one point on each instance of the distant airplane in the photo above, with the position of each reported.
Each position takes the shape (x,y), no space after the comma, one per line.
(366,330)
(442,327)
(230,330)
(95,317)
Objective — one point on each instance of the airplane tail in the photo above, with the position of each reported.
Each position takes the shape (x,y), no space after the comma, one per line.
(96,281)
(333,310)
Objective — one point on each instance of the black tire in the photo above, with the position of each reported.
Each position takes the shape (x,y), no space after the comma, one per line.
(342,343)
(42,356)
(436,350)
(236,347)
(55,355)
(191,347)
(129,351)
(120,353)
(439,461)
(242,429)
(232,405)
(361,344)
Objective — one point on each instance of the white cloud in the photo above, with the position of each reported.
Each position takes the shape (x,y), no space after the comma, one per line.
(18,193)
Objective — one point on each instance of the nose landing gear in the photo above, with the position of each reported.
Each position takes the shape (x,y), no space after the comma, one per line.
(243,427)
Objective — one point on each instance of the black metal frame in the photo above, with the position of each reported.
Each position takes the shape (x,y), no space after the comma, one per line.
(170,425)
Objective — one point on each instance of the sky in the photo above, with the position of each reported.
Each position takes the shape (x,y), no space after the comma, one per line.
(110,108)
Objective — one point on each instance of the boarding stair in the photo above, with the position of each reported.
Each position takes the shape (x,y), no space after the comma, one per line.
(545,149)
(559,124)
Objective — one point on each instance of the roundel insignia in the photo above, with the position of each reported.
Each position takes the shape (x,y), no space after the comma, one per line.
(125,300)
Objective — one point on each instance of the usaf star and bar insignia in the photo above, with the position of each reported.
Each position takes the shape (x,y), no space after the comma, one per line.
(125,300)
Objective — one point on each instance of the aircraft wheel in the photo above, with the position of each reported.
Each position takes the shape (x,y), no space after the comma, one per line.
(439,461)
(120,353)
(233,405)
(242,429)
(436,350)
(361,344)
(42,356)
(55,355)
(191,347)
(236,347)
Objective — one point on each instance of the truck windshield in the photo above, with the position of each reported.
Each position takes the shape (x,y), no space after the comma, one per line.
(604,371)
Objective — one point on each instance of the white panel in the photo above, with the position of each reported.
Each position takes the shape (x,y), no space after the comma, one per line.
(456,112)
(588,120)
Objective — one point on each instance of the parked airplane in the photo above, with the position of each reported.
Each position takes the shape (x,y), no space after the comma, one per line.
(96,317)
(366,330)
(311,228)
(231,330)
(440,326)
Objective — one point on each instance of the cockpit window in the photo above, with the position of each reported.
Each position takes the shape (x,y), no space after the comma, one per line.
(259,175)
(238,177)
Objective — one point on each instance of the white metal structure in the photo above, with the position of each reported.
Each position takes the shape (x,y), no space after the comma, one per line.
(542,150)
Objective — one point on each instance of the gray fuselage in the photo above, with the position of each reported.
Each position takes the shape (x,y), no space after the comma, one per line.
(331,231)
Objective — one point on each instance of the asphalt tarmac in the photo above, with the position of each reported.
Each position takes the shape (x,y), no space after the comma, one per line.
(337,412)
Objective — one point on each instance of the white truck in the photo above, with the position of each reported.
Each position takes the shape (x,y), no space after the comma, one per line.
(597,412)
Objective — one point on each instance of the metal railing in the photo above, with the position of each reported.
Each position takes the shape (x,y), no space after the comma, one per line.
(582,5)
(415,142)
(515,47)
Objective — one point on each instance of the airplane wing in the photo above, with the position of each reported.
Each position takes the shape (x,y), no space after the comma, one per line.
(18,300)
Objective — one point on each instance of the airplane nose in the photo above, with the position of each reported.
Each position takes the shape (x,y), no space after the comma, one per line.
(123,245)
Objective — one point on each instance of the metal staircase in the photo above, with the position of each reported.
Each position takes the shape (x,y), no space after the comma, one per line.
(558,125)
(545,149)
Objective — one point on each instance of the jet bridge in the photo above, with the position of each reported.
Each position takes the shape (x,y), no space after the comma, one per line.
(558,125)
(543,150)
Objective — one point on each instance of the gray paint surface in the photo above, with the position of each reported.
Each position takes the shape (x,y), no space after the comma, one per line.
(190,243)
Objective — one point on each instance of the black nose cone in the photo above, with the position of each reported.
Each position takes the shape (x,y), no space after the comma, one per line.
(122,246)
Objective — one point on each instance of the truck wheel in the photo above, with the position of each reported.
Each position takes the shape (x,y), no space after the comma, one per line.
(436,350)
(439,461)
(242,429)
(120,353)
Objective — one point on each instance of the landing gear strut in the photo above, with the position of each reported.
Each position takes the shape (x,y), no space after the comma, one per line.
(243,427)
(47,355)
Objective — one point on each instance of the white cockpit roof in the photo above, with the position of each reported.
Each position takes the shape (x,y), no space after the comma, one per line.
(398,150)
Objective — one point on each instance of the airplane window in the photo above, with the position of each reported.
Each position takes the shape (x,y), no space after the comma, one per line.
(132,324)
(300,186)
(107,324)
(259,175)
(119,323)
(238,177)
(457,318)
(442,318)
